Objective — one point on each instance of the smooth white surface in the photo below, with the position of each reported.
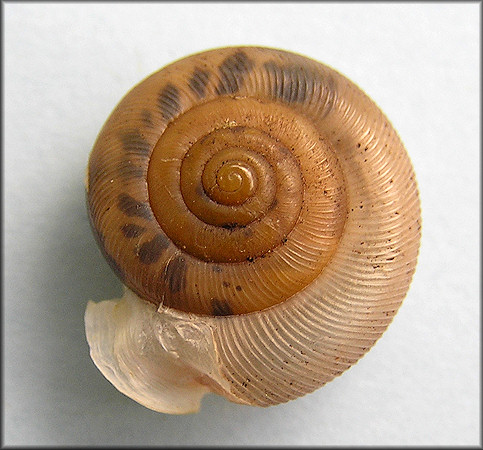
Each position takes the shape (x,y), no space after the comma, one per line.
(67,65)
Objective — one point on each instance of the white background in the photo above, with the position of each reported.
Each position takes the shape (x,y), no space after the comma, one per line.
(67,65)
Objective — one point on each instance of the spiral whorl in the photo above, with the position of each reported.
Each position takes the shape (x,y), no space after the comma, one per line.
(243,200)
(218,186)
(263,186)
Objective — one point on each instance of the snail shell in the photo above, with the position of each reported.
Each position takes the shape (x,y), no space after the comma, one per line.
(264,217)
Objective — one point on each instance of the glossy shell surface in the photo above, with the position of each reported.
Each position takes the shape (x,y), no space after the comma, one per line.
(261,199)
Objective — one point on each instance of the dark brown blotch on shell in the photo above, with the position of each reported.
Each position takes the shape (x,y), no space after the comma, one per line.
(134,143)
(233,71)
(221,308)
(291,83)
(133,208)
(169,101)
(150,251)
(175,274)
(147,118)
(199,81)
(131,230)
(127,169)
(231,226)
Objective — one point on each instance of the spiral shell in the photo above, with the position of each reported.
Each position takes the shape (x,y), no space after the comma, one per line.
(264,216)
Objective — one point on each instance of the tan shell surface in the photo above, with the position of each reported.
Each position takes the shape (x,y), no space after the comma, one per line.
(326,229)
